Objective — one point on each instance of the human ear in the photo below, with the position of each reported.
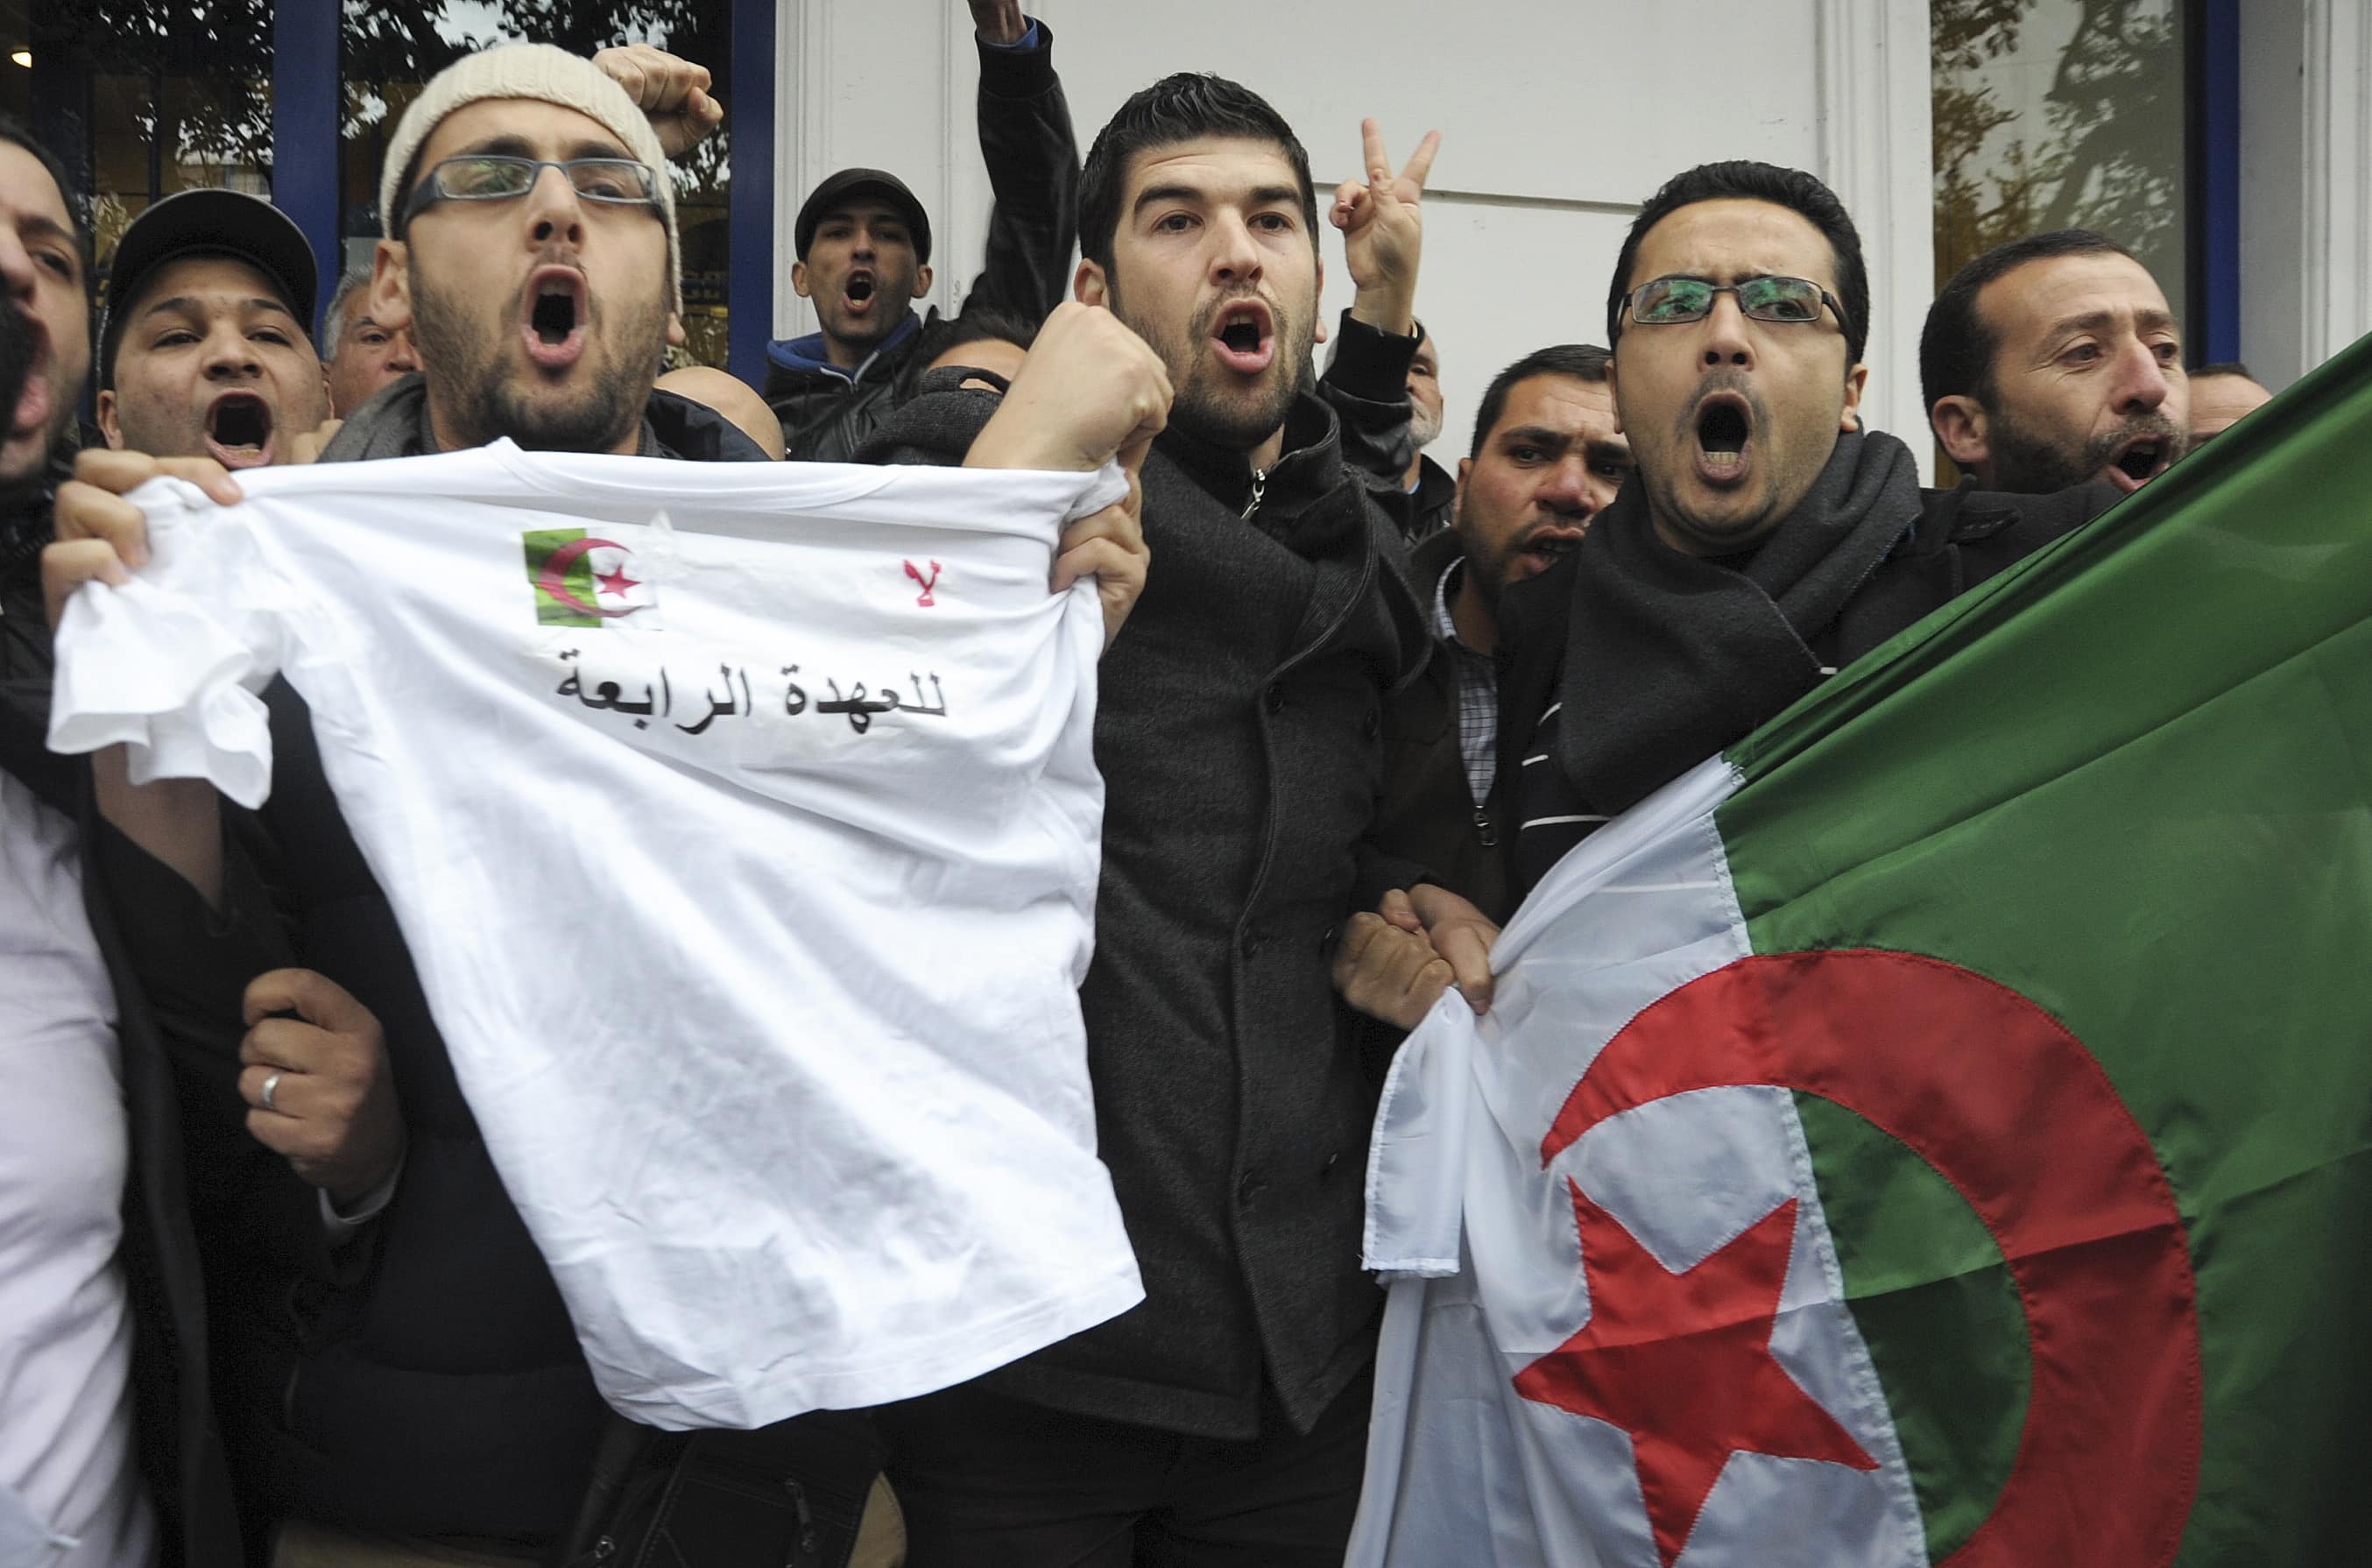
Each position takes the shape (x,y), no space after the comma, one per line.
(1959,425)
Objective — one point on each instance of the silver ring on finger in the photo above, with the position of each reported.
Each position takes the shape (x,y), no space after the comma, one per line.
(271,1087)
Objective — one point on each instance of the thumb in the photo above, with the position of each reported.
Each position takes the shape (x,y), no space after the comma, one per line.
(315,998)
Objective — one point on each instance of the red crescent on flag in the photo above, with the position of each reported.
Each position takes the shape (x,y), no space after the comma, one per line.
(2009,1108)
(554,578)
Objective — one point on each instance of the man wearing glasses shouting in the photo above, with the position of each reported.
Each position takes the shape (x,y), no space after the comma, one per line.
(1766,540)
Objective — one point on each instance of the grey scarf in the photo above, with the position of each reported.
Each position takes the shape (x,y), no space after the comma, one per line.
(1670,658)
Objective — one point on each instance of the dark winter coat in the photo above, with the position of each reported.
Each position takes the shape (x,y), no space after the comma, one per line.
(1238,728)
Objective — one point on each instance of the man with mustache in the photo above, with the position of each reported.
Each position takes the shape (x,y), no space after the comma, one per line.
(1547,458)
(358,355)
(864,246)
(1763,541)
(2052,360)
(1238,728)
(208,348)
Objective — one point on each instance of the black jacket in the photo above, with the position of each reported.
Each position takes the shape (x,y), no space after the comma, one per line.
(1961,538)
(1428,815)
(424,1379)
(1238,728)
(180,1449)
(1430,506)
(1033,166)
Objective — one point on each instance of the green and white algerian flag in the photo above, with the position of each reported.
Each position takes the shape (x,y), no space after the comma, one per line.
(1939,1130)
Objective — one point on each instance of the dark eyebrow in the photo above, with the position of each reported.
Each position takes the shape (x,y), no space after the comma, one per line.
(600,149)
(1153,194)
(1610,451)
(502,144)
(183,302)
(49,228)
(1537,436)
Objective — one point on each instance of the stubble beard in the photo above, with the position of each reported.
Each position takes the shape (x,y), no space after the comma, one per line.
(482,400)
(2028,463)
(1203,404)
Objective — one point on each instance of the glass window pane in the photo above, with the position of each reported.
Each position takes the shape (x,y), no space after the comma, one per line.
(387,51)
(162,115)
(2060,114)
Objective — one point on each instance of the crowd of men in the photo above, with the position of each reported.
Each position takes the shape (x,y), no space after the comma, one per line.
(262,1298)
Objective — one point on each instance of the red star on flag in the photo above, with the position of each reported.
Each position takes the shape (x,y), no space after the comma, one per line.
(1683,1364)
(617,582)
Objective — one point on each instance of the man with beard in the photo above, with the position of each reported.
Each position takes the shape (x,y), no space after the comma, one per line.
(1238,728)
(864,246)
(1763,541)
(206,351)
(107,1453)
(418,1390)
(1432,493)
(1547,458)
(419,1396)
(2052,360)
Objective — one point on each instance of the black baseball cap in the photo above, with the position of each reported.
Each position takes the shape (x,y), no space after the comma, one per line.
(849,183)
(208,223)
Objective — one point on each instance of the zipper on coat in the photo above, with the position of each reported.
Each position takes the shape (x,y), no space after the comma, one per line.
(1260,488)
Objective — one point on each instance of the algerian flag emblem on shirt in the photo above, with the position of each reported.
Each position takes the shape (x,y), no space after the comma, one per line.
(583,579)
(1935,1131)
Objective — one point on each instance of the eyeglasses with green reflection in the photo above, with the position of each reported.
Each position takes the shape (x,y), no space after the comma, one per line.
(497,177)
(1670,301)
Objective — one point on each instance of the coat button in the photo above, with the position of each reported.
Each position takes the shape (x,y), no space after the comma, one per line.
(1332,1161)
(1326,939)
(1275,699)
(1248,1188)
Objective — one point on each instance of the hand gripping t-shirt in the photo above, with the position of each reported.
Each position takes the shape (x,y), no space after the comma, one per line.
(742,820)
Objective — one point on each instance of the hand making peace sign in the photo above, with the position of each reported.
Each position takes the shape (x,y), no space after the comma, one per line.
(1383,230)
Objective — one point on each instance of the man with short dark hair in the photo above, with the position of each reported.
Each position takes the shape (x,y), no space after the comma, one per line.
(864,246)
(2053,360)
(2221,395)
(1236,727)
(1547,458)
(1764,540)
(206,350)
(107,1449)
(358,354)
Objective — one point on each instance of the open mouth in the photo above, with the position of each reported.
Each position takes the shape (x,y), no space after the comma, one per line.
(1546,547)
(860,288)
(2140,461)
(555,329)
(238,431)
(1245,337)
(1724,433)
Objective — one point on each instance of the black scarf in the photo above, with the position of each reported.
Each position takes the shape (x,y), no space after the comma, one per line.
(1670,658)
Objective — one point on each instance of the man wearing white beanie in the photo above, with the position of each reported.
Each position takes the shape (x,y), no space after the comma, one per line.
(418,1396)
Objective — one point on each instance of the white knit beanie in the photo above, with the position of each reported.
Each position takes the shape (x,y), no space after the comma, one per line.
(549,74)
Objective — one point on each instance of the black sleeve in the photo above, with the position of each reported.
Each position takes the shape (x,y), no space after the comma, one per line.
(1367,388)
(192,964)
(1033,166)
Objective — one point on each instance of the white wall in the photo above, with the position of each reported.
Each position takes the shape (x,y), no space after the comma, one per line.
(1559,117)
(2306,182)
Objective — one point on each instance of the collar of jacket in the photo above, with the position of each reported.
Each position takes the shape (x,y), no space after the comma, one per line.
(808,355)
(1310,466)
(394,423)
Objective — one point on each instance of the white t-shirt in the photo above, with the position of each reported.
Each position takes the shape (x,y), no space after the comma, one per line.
(743,823)
(69,1495)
